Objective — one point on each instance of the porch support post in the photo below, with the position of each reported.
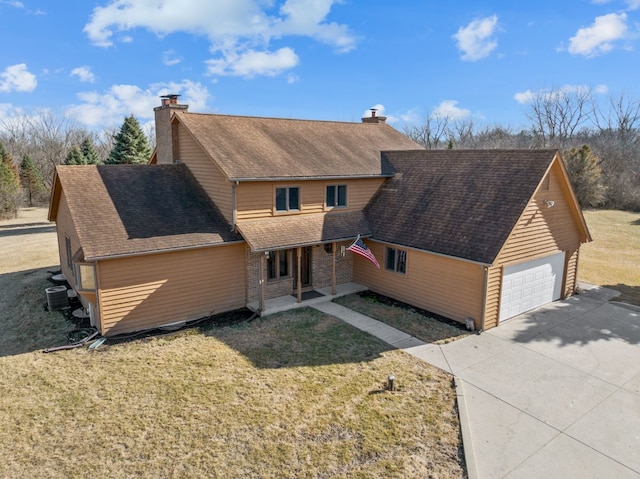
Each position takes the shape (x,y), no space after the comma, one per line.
(333,271)
(261,282)
(299,271)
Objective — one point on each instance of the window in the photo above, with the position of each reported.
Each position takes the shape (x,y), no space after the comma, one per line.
(278,264)
(396,260)
(288,199)
(336,195)
(86,276)
(67,244)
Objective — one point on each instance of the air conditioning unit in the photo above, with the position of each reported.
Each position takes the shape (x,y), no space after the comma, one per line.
(57,297)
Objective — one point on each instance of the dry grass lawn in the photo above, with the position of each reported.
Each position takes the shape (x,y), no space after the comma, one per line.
(613,258)
(294,395)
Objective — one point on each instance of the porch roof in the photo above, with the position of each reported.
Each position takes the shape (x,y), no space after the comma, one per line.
(283,232)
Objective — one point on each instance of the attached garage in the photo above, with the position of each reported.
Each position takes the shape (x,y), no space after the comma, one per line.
(489,234)
(531,284)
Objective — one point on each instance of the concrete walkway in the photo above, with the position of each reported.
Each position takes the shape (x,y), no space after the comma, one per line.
(553,393)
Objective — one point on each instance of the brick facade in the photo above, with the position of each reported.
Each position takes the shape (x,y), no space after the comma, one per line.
(321,271)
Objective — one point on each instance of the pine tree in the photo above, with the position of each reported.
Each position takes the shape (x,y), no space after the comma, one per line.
(9,185)
(89,152)
(31,180)
(75,157)
(583,167)
(131,144)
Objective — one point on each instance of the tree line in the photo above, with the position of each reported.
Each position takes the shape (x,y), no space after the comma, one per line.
(31,147)
(600,145)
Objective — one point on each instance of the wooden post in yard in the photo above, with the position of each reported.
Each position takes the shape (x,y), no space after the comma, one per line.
(333,272)
(299,273)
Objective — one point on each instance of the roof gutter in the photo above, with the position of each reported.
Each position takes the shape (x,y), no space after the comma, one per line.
(311,178)
(302,245)
(479,263)
(158,251)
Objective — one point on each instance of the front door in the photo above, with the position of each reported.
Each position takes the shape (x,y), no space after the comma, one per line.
(305,268)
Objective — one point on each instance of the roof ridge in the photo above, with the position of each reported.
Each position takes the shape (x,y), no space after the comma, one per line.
(255,117)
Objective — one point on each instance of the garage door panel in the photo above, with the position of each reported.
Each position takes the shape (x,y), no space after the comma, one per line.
(528,285)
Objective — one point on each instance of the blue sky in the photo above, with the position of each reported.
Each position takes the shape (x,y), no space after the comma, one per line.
(102,60)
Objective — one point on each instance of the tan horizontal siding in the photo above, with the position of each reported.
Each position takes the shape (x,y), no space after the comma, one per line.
(147,291)
(494,288)
(445,286)
(65,226)
(256,199)
(206,172)
(543,231)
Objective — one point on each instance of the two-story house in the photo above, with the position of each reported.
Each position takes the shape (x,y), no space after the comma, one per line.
(234,211)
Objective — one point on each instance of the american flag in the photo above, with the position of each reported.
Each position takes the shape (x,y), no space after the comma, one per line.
(358,247)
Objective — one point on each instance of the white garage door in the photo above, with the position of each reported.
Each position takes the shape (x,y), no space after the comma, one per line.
(529,285)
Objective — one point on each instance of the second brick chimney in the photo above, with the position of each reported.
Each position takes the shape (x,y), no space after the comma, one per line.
(374,118)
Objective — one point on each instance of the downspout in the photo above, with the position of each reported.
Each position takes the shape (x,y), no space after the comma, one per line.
(484,297)
(234,215)
(334,246)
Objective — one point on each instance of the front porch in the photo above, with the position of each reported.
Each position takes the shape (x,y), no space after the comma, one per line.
(285,303)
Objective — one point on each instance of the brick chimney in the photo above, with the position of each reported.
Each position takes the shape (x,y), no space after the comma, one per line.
(166,130)
(374,118)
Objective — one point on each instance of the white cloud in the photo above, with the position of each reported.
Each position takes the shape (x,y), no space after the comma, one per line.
(171,58)
(599,37)
(240,31)
(251,63)
(12,3)
(476,40)
(601,89)
(449,109)
(524,97)
(111,107)
(84,74)
(17,78)
(528,96)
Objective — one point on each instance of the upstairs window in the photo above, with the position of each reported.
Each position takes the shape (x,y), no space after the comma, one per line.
(336,196)
(288,199)
(396,260)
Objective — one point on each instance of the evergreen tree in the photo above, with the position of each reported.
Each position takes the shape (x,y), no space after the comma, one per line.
(583,167)
(131,145)
(74,157)
(89,152)
(31,180)
(6,158)
(9,185)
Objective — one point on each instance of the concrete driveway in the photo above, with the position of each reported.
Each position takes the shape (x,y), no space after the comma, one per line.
(552,394)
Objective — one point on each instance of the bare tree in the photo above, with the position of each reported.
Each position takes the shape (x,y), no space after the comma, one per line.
(432,133)
(623,115)
(557,114)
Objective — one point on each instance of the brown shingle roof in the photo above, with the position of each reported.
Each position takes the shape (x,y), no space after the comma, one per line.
(135,209)
(251,147)
(301,230)
(461,203)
